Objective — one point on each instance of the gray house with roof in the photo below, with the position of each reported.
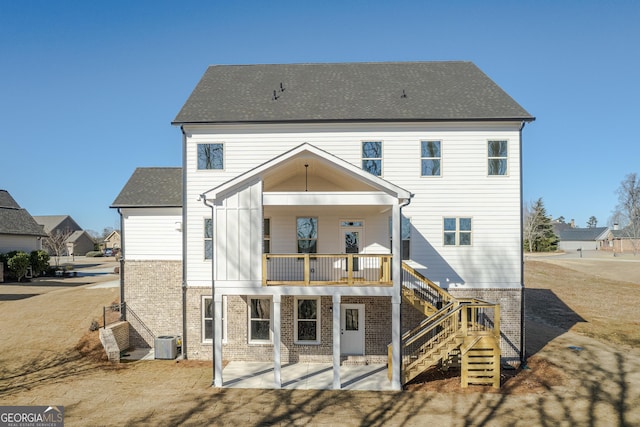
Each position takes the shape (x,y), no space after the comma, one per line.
(338,213)
(18,230)
(572,238)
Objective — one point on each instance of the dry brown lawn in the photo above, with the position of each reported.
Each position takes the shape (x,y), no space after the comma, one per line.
(583,342)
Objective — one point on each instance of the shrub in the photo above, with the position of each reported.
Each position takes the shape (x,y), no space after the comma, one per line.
(94,254)
(39,262)
(18,265)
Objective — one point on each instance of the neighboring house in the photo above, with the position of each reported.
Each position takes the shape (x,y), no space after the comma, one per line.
(330,212)
(78,241)
(621,241)
(18,230)
(112,241)
(571,238)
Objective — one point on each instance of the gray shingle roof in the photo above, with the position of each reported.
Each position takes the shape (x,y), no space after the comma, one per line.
(567,233)
(16,220)
(391,91)
(151,187)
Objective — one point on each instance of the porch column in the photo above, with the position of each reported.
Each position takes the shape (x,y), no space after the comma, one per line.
(217,339)
(336,341)
(396,299)
(277,363)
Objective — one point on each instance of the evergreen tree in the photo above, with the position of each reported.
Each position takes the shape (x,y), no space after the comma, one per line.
(538,231)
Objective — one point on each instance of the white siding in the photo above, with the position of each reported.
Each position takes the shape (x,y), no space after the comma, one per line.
(152,234)
(463,190)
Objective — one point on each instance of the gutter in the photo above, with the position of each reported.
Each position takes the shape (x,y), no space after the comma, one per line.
(122,240)
(183,347)
(203,197)
(523,355)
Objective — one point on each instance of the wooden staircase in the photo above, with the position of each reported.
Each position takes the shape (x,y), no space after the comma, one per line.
(455,332)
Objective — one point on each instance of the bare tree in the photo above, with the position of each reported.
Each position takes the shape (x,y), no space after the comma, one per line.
(56,243)
(628,209)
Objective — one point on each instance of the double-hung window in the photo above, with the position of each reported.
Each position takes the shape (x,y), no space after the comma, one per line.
(210,156)
(405,233)
(372,157)
(307,320)
(207,319)
(266,235)
(307,235)
(457,231)
(497,155)
(259,320)
(208,238)
(430,158)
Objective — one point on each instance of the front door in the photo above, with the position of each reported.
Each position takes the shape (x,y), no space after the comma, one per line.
(352,329)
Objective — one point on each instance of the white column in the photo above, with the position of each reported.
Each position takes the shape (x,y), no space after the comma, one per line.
(217,338)
(337,333)
(277,363)
(396,236)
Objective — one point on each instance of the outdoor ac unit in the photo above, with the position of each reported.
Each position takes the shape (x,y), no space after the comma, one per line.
(165,347)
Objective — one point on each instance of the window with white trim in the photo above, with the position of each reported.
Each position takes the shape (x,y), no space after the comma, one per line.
(372,157)
(307,320)
(430,158)
(497,155)
(405,233)
(207,319)
(208,238)
(266,238)
(457,231)
(210,156)
(307,235)
(260,320)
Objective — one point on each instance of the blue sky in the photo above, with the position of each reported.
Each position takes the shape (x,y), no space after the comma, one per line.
(88,89)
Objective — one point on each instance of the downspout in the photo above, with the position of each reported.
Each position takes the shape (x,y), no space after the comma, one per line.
(203,197)
(405,204)
(523,356)
(183,347)
(122,301)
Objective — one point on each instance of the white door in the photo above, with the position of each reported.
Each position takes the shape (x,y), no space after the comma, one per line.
(352,329)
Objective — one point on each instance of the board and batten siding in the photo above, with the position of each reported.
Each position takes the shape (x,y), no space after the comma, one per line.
(152,233)
(464,189)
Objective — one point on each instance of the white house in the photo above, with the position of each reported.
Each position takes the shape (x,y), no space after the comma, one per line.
(18,230)
(329,212)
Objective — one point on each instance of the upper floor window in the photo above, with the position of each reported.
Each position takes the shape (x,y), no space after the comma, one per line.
(307,232)
(497,158)
(405,233)
(457,231)
(266,235)
(210,156)
(208,238)
(372,157)
(430,158)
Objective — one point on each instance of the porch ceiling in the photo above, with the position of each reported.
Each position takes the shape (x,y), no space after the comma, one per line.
(351,212)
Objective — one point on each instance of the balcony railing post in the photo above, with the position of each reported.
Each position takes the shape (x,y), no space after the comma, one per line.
(350,269)
(307,269)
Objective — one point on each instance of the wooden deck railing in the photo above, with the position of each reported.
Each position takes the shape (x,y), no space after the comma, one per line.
(326,269)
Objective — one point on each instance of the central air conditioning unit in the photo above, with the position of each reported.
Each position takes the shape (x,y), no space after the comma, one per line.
(165,347)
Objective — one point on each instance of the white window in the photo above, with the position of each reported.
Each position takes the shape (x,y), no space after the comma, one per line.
(207,319)
(307,235)
(260,320)
(457,231)
(430,158)
(372,157)
(497,155)
(210,156)
(405,233)
(266,230)
(208,238)
(307,320)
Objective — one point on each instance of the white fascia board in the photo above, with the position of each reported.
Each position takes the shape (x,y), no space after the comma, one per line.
(306,148)
(347,198)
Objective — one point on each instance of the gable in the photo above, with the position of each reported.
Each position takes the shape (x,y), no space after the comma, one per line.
(151,187)
(394,91)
